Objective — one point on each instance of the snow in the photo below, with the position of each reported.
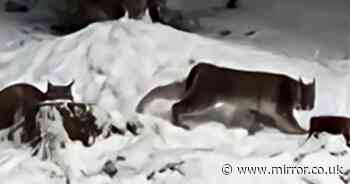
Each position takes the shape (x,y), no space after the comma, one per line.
(114,64)
(313,30)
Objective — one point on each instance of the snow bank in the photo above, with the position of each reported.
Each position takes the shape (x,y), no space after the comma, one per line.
(115,63)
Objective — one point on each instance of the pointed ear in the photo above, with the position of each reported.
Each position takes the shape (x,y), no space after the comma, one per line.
(314,81)
(49,85)
(71,83)
(301,80)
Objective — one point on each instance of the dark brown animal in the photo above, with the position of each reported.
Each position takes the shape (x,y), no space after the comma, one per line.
(331,124)
(81,126)
(90,11)
(266,94)
(231,4)
(17,97)
(13,6)
(21,99)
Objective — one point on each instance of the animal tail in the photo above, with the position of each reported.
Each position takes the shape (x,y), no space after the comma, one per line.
(191,76)
(170,91)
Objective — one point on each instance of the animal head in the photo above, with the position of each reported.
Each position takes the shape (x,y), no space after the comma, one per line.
(306,95)
(56,92)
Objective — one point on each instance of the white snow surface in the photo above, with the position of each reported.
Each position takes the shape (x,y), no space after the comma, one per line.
(116,63)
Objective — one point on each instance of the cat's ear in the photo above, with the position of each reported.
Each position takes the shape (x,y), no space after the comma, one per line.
(300,80)
(49,85)
(71,83)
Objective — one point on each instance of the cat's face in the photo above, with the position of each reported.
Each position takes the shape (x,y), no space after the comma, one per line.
(56,92)
(308,95)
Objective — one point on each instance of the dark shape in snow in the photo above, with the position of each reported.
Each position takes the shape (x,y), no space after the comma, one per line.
(232,4)
(151,175)
(250,33)
(120,158)
(110,169)
(339,154)
(275,154)
(11,6)
(191,61)
(133,127)
(173,167)
(300,157)
(225,32)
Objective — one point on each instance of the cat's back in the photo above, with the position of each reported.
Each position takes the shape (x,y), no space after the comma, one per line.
(15,97)
(21,90)
(250,82)
(330,124)
(238,83)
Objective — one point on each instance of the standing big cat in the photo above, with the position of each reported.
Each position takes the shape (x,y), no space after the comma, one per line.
(264,94)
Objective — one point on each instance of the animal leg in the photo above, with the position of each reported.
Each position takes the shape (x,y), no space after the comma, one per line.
(259,121)
(287,123)
(255,128)
(30,128)
(246,119)
(190,104)
(346,135)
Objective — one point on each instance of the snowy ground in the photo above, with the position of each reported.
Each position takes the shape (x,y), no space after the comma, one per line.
(314,30)
(115,63)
